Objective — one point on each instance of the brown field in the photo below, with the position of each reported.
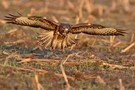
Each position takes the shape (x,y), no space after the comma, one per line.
(94,63)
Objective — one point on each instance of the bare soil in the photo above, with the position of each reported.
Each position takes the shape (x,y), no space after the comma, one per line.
(94,63)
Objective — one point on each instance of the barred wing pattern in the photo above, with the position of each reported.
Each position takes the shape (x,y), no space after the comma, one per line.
(47,39)
(60,35)
(32,21)
(94,29)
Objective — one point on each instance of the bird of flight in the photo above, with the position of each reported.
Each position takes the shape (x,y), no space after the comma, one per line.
(60,35)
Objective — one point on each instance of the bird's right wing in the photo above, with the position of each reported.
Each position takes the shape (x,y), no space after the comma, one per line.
(32,21)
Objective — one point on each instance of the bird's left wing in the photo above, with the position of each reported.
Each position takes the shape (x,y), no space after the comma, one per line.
(32,21)
(95,29)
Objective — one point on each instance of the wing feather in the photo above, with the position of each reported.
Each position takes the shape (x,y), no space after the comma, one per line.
(94,29)
(32,21)
(45,38)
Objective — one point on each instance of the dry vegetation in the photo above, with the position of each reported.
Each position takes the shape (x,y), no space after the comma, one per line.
(94,63)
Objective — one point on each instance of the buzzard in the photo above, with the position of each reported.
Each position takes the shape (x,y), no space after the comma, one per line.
(61,35)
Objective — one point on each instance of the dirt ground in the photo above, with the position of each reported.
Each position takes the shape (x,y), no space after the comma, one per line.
(94,63)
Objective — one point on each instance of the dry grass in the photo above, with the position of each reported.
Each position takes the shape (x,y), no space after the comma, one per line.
(94,63)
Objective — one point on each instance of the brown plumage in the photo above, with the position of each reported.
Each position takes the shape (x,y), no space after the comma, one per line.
(61,35)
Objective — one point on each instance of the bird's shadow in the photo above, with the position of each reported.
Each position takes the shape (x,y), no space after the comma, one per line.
(37,53)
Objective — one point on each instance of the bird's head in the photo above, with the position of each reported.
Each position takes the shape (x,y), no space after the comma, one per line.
(64,28)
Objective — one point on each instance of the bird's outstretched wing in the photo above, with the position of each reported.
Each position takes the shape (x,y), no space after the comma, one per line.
(32,21)
(94,29)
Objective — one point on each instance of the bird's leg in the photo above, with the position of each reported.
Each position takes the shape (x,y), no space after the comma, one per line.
(63,43)
(62,47)
(63,51)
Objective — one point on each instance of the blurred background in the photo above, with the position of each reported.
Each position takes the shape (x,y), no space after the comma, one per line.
(18,41)
(112,13)
(73,11)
